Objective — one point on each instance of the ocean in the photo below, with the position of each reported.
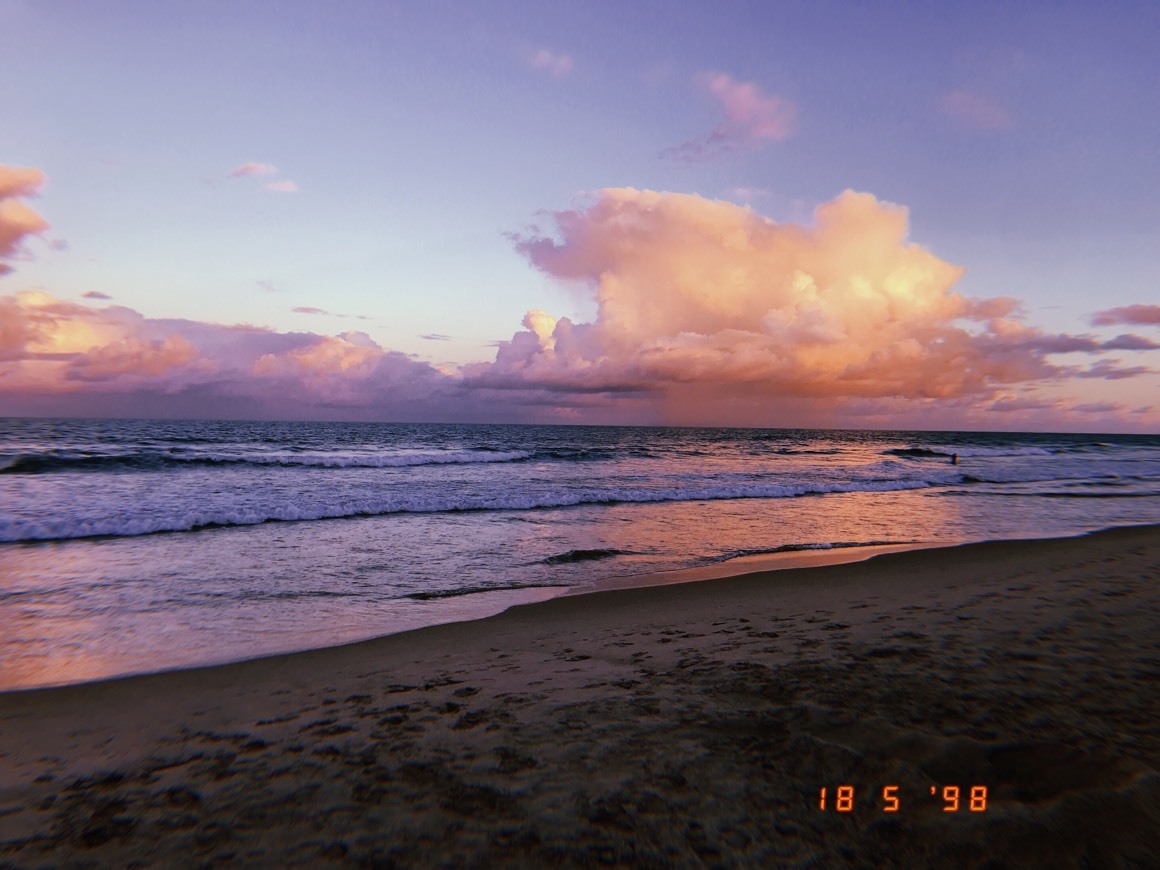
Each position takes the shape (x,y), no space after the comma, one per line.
(130,546)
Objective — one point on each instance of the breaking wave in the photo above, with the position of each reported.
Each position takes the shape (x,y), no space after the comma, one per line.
(42,463)
(196,519)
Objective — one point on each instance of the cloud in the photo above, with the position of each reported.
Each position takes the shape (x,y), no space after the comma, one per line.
(1145,314)
(706,313)
(1007,404)
(975,110)
(133,358)
(95,294)
(1130,342)
(1098,408)
(557,64)
(18,220)
(1109,370)
(251,168)
(306,309)
(702,302)
(56,355)
(435,336)
(264,170)
(750,120)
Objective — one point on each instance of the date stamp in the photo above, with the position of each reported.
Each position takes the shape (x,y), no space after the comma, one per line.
(952,796)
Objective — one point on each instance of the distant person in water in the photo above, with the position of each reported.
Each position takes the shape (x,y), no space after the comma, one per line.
(954,459)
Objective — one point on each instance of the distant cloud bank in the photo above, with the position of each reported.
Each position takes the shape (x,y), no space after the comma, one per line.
(706,313)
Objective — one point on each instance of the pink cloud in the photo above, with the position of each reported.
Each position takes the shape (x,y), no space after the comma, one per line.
(557,64)
(264,170)
(750,119)
(704,304)
(17,220)
(706,313)
(251,168)
(975,110)
(307,309)
(1144,314)
(95,294)
(133,357)
(54,354)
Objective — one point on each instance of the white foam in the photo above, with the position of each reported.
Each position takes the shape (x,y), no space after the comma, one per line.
(64,527)
(368,460)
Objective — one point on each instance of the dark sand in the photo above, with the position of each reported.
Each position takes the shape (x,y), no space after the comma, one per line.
(678,725)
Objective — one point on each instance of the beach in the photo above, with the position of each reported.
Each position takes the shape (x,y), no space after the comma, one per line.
(675,725)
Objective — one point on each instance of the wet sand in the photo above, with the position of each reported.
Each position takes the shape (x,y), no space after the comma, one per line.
(679,725)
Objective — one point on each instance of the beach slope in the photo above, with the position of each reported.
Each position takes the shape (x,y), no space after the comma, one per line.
(674,725)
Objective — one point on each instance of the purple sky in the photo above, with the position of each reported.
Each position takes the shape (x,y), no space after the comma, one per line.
(814,214)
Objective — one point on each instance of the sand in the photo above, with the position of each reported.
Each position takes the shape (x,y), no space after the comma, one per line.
(681,725)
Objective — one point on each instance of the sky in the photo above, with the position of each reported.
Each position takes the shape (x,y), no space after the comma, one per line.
(814,214)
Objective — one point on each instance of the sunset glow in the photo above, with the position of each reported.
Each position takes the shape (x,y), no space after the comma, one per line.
(744,265)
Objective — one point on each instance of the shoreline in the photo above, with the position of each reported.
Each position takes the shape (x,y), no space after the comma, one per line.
(675,723)
(536,594)
(737,567)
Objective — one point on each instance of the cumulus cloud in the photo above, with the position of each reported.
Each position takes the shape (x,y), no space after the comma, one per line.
(700,301)
(1144,314)
(706,312)
(975,110)
(17,219)
(750,119)
(557,64)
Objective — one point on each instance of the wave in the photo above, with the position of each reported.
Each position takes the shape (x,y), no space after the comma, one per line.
(946,452)
(600,454)
(798,548)
(43,463)
(66,528)
(791,451)
(583,556)
(436,594)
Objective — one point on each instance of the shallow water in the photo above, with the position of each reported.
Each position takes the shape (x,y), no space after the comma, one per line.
(129,546)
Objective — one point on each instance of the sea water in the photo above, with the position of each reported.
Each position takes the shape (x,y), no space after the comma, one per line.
(130,546)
